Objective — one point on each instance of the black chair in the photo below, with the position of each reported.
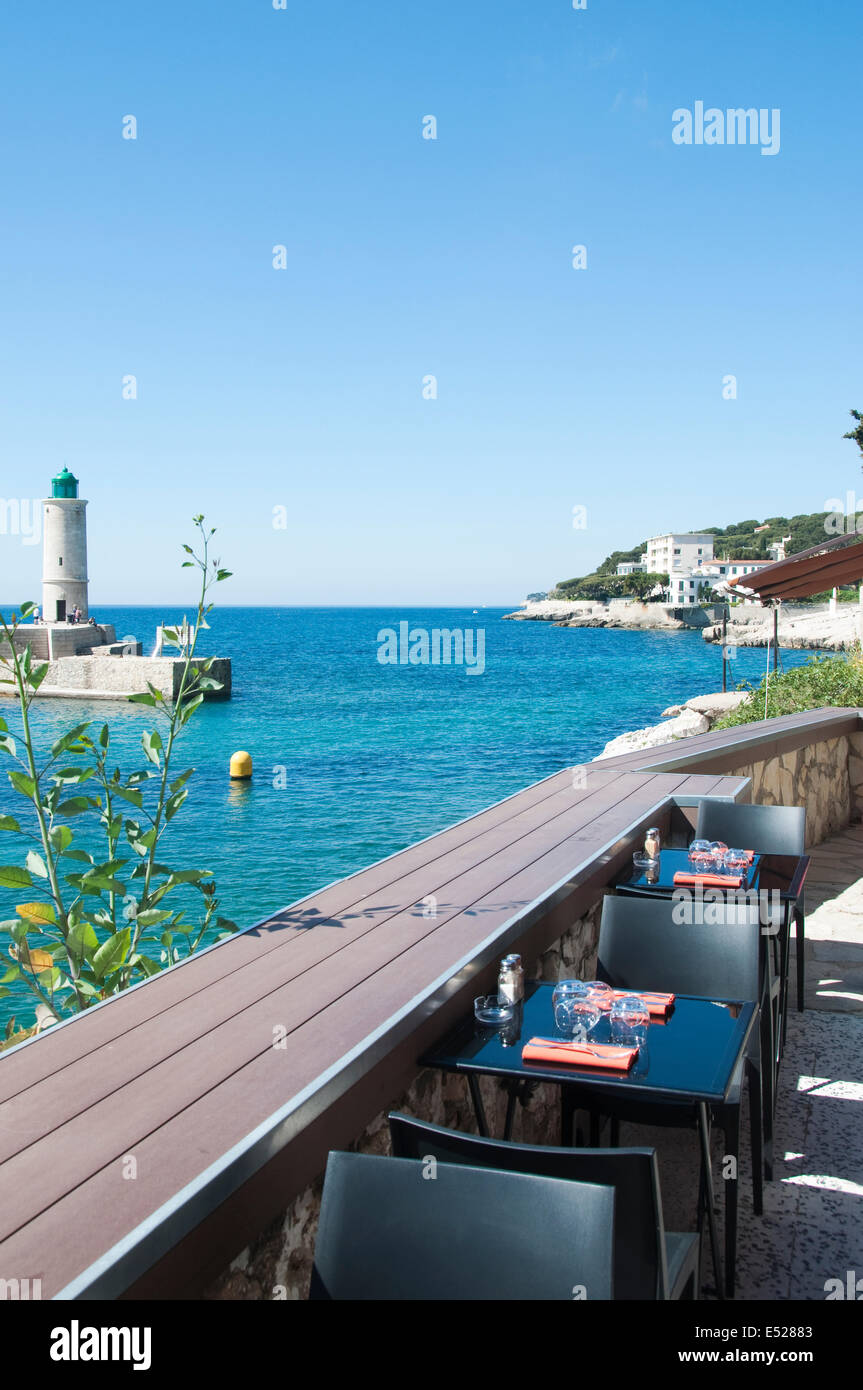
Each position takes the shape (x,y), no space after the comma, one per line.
(767,830)
(642,947)
(393,1228)
(649,1262)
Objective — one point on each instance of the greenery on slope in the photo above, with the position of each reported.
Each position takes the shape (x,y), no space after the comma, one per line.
(740,541)
(601,586)
(820,681)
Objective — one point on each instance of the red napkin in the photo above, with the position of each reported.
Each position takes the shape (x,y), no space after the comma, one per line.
(710,880)
(605,1055)
(659,1005)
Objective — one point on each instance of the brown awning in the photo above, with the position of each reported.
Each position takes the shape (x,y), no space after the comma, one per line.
(836,562)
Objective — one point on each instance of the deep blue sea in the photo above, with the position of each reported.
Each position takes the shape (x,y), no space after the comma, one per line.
(354,759)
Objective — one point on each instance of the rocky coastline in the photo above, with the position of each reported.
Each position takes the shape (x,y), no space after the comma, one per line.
(749,626)
(632,616)
(816,629)
(695,716)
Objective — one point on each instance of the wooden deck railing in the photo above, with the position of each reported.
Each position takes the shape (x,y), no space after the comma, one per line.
(144,1143)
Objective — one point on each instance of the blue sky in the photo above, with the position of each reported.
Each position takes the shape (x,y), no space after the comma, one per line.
(302,388)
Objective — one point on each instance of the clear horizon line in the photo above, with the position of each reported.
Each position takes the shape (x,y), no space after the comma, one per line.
(393,603)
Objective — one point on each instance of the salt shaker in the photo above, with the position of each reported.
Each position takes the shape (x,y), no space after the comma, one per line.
(652,843)
(510,983)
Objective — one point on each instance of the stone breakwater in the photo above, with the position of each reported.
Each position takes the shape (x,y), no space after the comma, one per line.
(632,617)
(818,629)
(696,716)
(102,677)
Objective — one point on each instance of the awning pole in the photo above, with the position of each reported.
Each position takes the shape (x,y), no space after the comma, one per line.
(767,679)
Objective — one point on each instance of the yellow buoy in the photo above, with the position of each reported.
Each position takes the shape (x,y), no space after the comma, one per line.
(241,765)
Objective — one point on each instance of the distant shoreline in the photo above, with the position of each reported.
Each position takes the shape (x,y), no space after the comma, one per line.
(815,629)
(628,616)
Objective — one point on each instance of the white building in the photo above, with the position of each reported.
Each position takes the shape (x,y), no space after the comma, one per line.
(684,589)
(777,550)
(716,570)
(688,560)
(693,586)
(678,551)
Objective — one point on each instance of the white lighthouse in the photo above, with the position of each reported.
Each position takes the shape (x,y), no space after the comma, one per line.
(64,551)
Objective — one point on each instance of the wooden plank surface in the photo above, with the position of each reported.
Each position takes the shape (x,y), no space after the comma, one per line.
(62,1046)
(408,874)
(178,1057)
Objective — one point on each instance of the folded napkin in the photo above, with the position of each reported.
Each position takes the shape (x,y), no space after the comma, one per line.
(605,1055)
(710,880)
(659,1005)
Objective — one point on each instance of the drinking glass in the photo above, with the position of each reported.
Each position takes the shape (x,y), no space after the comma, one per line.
(630,1020)
(736,861)
(586,1013)
(601,993)
(563,997)
(700,855)
(718,851)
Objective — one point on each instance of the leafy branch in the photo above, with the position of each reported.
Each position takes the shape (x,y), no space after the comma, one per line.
(99,922)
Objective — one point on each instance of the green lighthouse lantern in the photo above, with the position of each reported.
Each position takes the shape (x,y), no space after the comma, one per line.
(64,484)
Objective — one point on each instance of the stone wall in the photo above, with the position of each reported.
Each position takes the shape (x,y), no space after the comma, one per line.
(65,640)
(817,776)
(36,637)
(68,641)
(855,774)
(103,673)
(118,676)
(279,1263)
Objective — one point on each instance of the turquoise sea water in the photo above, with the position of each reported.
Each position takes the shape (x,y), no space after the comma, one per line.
(355,759)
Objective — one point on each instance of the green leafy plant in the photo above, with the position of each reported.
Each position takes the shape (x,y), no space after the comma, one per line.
(857,433)
(819,682)
(99,923)
(602,586)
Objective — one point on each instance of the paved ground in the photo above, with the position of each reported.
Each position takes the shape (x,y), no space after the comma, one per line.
(834,924)
(812,1228)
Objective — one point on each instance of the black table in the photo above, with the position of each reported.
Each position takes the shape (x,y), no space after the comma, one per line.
(780,873)
(779,876)
(691,1057)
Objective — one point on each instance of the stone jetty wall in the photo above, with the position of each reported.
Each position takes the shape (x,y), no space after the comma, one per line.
(116,677)
(59,640)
